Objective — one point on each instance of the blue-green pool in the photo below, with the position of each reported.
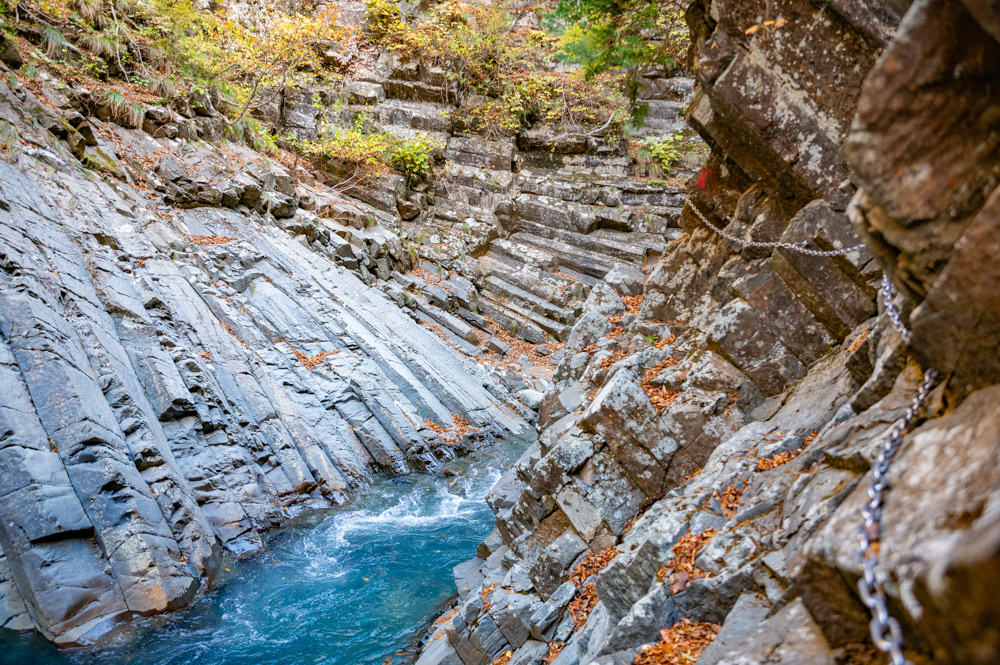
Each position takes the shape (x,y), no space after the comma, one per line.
(349,587)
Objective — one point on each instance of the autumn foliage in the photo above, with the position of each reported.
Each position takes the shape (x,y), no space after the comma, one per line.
(592,564)
(682,571)
(681,644)
(497,68)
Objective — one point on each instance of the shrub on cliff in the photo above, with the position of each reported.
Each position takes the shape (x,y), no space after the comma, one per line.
(630,36)
(162,47)
(497,64)
(357,154)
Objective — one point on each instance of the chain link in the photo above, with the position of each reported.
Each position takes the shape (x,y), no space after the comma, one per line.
(889,299)
(887,635)
(888,292)
(799,247)
(885,630)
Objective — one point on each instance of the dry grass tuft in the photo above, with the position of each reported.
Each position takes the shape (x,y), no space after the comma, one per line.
(451,435)
(856,344)
(660,397)
(309,362)
(654,371)
(768,463)
(446,617)
(666,341)
(225,326)
(555,648)
(613,358)
(730,497)
(503,658)
(583,604)
(208,241)
(517,347)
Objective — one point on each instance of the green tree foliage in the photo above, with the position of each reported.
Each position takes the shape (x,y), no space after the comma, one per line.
(499,68)
(634,36)
(360,153)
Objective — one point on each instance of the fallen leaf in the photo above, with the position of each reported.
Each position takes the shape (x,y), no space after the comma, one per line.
(678,581)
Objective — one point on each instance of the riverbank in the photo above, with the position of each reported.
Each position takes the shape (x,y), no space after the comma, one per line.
(344,587)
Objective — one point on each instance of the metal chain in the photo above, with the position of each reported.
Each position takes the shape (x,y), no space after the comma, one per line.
(888,292)
(885,630)
(889,299)
(799,247)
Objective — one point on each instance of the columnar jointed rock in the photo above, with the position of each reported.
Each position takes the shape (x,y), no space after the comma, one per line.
(177,380)
(737,412)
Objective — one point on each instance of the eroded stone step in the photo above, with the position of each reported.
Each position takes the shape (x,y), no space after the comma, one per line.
(520,254)
(501,287)
(518,325)
(582,260)
(604,244)
(553,287)
(554,328)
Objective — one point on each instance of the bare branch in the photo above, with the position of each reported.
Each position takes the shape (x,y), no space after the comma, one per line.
(584,134)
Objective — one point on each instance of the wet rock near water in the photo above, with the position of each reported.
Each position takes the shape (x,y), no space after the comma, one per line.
(188,359)
(704,453)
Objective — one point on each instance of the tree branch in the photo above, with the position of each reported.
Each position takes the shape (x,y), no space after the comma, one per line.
(584,134)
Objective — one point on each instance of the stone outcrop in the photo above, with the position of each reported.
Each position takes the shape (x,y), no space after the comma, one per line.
(706,456)
(189,358)
(199,342)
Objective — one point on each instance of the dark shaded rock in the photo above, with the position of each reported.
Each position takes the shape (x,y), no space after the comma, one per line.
(9,54)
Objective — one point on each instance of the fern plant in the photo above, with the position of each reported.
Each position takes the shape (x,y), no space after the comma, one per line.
(53,41)
(164,87)
(99,44)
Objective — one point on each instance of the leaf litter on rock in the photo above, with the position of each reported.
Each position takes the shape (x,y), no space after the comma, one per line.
(682,570)
(681,644)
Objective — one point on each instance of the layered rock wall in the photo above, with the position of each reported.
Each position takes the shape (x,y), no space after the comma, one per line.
(705,457)
(185,365)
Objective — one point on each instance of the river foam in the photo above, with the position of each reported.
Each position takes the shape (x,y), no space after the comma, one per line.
(350,587)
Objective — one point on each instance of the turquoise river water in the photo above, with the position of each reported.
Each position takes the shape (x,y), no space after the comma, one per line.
(351,586)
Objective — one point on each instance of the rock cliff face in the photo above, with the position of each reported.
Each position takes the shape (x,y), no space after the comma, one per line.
(200,342)
(533,223)
(705,456)
(178,377)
